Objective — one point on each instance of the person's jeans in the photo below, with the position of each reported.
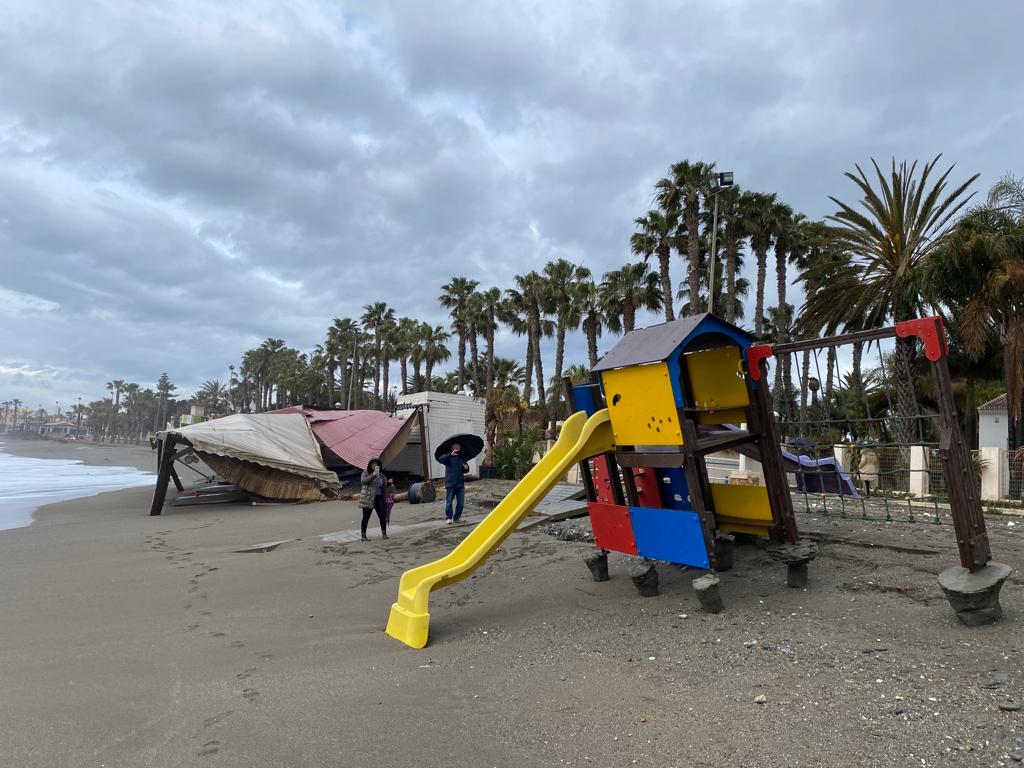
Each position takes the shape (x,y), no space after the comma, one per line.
(457,494)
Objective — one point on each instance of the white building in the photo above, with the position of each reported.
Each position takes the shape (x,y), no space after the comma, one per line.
(444,415)
(992,418)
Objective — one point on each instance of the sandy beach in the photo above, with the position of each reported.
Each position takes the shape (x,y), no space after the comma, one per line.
(130,640)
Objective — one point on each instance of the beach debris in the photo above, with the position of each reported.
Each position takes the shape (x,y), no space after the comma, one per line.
(268,546)
(761,699)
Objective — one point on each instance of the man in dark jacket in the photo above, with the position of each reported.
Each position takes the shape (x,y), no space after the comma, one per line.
(455,470)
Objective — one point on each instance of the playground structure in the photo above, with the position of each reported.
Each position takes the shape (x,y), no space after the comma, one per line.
(658,404)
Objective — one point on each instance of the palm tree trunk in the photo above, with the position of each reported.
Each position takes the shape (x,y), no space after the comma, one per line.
(527,384)
(591,331)
(778,401)
(403,364)
(830,361)
(462,360)
(780,284)
(559,359)
(693,250)
(377,367)
(538,361)
(428,375)
(474,359)
(385,371)
(416,380)
(855,409)
(731,250)
(762,274)
(629,316)
(805,375)
(490,356)
(664,257)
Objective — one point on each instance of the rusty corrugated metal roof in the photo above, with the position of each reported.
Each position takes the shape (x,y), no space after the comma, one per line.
(353,436)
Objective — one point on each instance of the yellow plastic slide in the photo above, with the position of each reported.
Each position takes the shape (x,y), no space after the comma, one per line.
(581,438)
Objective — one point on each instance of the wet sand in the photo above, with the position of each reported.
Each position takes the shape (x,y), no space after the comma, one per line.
(129,640)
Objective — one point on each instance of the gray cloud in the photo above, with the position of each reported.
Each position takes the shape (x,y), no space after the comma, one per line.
(181,180)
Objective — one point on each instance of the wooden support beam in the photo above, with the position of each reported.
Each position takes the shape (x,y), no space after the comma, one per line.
(166,458)
(779,499)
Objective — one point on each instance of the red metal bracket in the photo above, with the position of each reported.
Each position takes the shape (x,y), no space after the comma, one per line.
(930,331)
(754,357)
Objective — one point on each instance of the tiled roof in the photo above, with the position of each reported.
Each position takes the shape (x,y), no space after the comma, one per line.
(996,404)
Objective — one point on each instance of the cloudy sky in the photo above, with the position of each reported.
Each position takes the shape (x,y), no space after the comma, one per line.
(179,180)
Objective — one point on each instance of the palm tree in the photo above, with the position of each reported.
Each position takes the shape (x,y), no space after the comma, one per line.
(682,191)
(212,394)
(760,216)
(377,318)
(732,212)
(733,305)
(978,273)
(403,343)
(531,297)
(490,312)
(594,317)
(779,325)
(789,241)
(116,387)
(629,288)
(890,238)
(656,236)
(455,294)
(432,341)
(563,287)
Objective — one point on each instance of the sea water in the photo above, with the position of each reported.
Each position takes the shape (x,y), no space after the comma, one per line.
(27,484)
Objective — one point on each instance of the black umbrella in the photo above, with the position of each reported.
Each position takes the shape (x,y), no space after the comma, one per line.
(471,446)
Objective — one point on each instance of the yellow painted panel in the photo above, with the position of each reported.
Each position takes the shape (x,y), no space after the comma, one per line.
(718,385)
(749,502)
(642,406)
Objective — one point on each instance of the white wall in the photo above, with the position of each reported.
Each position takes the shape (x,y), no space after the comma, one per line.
(992,429)
(445,415)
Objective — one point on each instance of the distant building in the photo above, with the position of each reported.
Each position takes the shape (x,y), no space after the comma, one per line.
(992,419)
(444,415)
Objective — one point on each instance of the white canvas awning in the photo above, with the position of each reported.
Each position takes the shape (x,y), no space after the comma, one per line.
(282,441)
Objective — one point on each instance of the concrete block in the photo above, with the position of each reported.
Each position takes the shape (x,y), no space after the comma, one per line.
(974,597)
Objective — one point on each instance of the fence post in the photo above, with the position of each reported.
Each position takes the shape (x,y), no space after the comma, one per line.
(840,451)
(919,470)
(995,477)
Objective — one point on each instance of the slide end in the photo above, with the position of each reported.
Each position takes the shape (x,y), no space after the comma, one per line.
(407,627)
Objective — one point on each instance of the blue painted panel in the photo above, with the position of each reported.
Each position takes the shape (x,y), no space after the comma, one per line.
(583,396)
(674,490)
(670,535)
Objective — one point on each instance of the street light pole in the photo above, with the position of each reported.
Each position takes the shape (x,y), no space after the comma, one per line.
(78,429)
(724,181)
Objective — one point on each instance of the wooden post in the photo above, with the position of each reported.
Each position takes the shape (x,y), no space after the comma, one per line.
(166,453)
(958,468)
(779,499)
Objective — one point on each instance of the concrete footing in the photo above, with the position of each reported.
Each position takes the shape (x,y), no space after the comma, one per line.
(974,597)
(645,578)
(710,598)
(795,557)
(796,575)
(598,565)
(725,547)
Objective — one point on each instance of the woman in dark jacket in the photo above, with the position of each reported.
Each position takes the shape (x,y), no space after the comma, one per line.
(373,496)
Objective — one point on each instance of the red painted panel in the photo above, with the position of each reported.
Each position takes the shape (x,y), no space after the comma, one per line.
(602,480)
(647,491)
(613,529)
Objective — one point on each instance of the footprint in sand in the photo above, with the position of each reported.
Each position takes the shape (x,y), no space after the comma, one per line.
(249,693)
(246,674)
(218,634)
(217,718)
(205,613)
(193,626)
(237,644)
(209,748)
